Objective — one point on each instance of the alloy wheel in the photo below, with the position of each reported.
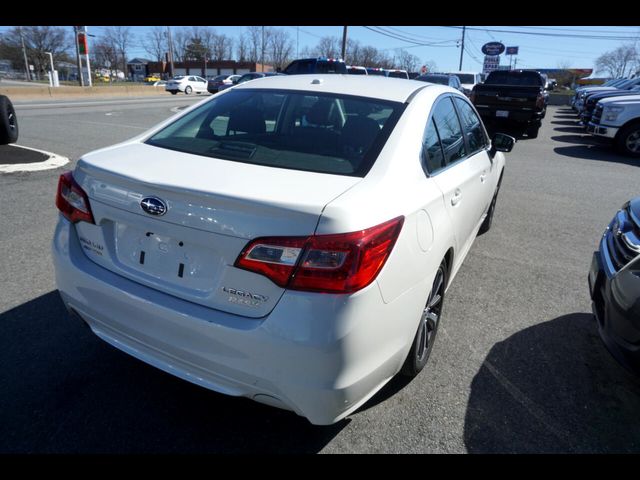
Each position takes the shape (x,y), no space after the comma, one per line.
(431,316)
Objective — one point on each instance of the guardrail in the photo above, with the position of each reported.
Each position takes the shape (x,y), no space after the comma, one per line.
(32,92)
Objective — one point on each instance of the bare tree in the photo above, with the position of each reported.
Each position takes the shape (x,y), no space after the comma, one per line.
(155,43)
(222,47)
(328,47)
(241,48)
(407,61)
(254,39)
(280,48)
(122,38)
(105,55)
(181,40)
(619,62)
(38,41)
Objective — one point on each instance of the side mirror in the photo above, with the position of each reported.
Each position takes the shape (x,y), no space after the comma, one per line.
(502,143)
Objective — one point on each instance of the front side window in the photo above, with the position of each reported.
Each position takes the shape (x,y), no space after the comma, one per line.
(472,125)
(328,133)
(446,121)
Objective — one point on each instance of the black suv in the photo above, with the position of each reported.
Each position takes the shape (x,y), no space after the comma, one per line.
(614,284)
(316,65)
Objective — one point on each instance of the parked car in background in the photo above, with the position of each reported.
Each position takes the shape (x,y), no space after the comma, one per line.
(152,78)
(299,264)
(442,79)
(355,70)
(618,119)
(625,87)
(397,74)
(8,121)
(247,77)
(590,101)
(582,92)
(468,80)
(376,71)
(513,97)
(186,84)
(214,84)
(316,65)
(614,284)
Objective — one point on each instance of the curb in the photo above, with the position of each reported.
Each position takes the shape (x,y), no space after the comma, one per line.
(54,161)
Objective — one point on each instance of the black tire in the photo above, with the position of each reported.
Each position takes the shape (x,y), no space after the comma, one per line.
(428,327)
(488,220)
(173,92)
(8,122)
(532,130)
(627,140)
(188,90)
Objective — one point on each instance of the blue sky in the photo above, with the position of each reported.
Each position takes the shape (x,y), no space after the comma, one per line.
(542,47)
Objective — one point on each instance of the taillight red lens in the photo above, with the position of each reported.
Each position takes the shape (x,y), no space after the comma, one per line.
(340,263)
(72,201)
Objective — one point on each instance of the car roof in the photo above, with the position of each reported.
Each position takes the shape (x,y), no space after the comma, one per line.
(383,88)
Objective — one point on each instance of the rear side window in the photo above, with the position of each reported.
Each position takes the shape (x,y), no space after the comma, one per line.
(432,154)
(446,121)
(472,125)
(327,133)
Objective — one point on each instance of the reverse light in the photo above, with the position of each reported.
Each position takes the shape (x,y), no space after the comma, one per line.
(72,201)
(338,263)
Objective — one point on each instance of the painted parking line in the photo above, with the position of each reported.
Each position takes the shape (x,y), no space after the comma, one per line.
(54,161)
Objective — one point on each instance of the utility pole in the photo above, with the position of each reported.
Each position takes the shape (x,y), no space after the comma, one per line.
(344,43)
(78,58)
(26,62)
(170,50)
(297,42)
(464,28)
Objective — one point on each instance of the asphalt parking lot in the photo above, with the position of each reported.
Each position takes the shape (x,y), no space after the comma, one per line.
(517,367)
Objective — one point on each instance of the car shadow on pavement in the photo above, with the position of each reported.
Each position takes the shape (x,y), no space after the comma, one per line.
(65,391)
(590,149)
(553,388)
(574,139)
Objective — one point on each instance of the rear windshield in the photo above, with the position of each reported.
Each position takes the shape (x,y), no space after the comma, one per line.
(398,74)
(466,77)
(514,78)
(356,71)
(330,67)
(326,133)
(435,79)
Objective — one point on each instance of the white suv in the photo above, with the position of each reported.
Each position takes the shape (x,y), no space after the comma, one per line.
(289,240)
(186,84)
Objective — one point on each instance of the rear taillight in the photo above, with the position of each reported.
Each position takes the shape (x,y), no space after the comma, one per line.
(340,263)
(472,96)
(72,201)
(540,100)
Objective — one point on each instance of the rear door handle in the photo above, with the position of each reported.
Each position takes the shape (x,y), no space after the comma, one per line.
(457,196)
(483,177)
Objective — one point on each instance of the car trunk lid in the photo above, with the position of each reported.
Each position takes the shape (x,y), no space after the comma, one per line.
(213,208)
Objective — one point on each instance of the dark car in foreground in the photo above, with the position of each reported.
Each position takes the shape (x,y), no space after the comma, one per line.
(614,284)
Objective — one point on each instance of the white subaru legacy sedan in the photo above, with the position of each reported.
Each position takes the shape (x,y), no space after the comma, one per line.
(289,240)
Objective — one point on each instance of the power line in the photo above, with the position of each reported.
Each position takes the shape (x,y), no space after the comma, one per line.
(555,35)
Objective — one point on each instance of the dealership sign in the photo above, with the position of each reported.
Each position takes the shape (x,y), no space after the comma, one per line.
(492,48)
(512,50)
(491,63)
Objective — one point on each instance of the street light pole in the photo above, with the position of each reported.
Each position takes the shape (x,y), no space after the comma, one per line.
(344,43)
(170,50)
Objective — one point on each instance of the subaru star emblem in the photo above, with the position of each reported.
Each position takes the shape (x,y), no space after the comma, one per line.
(153,206)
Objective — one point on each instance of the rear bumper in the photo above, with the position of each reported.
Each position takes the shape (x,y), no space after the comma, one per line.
(321,356)
(618,322)
(513,115)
